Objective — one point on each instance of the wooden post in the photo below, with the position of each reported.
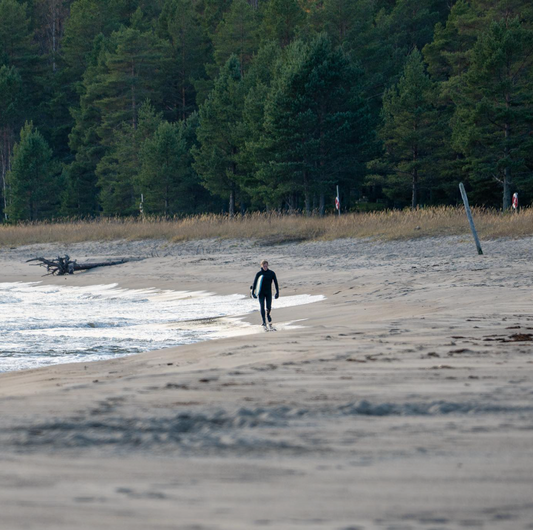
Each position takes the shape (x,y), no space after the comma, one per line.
(469,215)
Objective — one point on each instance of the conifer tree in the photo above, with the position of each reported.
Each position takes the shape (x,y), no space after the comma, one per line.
(189,48)
(237,34)
(80,197)
(447,54)
(494,106)
(258,81)
(163,170)
(410,131)
(16,47)
(220,134)
(131,75)
(385,35)
(118,170)
(212,12)
(10,116)
(32,182)
(281,20)
(314,121)
(341,18)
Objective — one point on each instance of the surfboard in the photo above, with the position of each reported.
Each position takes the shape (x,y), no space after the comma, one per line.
(258,286)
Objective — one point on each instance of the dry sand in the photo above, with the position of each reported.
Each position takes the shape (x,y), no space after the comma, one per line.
(403,402)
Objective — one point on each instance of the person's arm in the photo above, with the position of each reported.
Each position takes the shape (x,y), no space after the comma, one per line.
(276,284)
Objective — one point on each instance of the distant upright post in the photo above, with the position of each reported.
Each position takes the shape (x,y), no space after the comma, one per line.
(470,220)
(338,202)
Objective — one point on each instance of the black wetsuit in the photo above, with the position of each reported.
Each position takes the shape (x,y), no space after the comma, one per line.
(265,295)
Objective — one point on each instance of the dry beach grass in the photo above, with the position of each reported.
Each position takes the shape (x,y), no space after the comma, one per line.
(275,228)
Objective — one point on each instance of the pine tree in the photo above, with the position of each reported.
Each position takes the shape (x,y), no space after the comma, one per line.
(180,25)
(87,20)
(258,81)
(341,18)
(385,35)
(16,47)
(80,198)
(237,34)
(118,170)
(281,20)
(410,131)
(162,174)
(32,178)
(494,106)
(212,12)
(48,18)
(447,54)
(220,134)
(314,123)
(10,116)
(131,75)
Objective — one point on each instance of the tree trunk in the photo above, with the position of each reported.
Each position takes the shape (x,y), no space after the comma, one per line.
(133,100)
(290,203)
(232,203)
(507,180)
(5,156)
(322,204)
(414,196)
(183,97)
(307,195)
(307,204)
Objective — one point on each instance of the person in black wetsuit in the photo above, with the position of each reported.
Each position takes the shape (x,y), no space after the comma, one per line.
(265,294)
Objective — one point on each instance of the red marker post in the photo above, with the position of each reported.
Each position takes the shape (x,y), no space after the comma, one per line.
(515,202)
(338,202)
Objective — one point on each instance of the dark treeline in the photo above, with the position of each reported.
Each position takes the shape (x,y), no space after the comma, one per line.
(242,105)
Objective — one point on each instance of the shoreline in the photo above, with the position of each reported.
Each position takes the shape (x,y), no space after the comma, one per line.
(118,322)
(407,389)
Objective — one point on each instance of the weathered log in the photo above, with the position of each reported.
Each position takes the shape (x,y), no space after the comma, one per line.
(64,265)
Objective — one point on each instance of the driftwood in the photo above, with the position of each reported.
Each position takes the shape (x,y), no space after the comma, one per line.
(64,265)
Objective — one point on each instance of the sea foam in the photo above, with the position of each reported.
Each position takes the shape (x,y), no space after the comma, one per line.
(45,324)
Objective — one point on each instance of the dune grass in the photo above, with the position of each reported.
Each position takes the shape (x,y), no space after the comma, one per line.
(275,228)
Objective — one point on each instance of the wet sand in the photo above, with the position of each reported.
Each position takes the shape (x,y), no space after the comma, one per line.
(404,400)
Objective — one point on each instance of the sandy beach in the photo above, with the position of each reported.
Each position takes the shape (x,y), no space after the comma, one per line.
(402,401)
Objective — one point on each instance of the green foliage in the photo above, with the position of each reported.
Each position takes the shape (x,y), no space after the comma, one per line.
(269,103)
(281,20)
(163,172)
(32,180)
(189,50)
(80,197)
(16,47)
(237,34)
(313,126)
(10,117)
(131,74)
(410,132)
(118,170)
(220,134)
(494,106)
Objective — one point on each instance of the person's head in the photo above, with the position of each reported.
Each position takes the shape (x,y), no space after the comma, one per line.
(264,264)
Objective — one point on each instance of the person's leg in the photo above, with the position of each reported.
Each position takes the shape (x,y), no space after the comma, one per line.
(269,306)
(262,307)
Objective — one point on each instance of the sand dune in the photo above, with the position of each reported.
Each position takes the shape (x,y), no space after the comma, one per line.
(403,400)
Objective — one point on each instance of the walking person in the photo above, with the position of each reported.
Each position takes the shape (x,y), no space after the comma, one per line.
(262,289)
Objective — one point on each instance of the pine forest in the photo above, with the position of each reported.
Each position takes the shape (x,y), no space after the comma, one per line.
(179,107)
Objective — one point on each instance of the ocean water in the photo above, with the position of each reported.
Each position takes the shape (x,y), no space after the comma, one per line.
(43,324)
